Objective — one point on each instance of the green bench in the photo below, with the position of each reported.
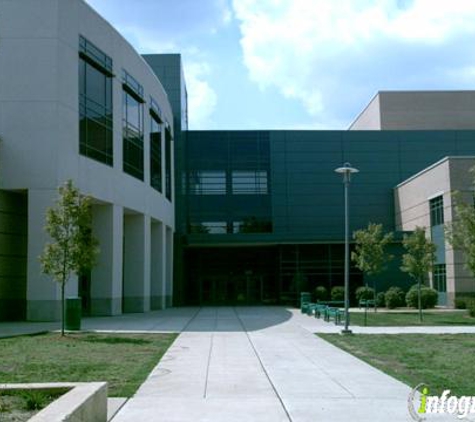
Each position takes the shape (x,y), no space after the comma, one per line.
(367,303)
(333,313)
(319,310)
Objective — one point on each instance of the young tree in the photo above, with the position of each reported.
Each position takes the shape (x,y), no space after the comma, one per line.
(73,248)
(418,259)
(461,232)
(370,250)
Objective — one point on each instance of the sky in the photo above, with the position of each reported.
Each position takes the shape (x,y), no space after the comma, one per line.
(301,64)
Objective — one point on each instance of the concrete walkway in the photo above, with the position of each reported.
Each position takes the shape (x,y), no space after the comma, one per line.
(262,364)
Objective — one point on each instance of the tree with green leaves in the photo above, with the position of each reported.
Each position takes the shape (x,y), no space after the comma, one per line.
(460,232)
(73,248)
(370,255)
(418,259)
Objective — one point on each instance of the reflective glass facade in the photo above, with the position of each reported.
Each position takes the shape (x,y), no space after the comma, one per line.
(132,117)
(155,154)
(95,103)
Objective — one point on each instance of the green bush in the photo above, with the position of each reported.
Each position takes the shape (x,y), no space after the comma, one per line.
(471,311)
(364,293)
(338,293)
(380,299)
(428,297)
(321,293)
(394,298)
(460,304)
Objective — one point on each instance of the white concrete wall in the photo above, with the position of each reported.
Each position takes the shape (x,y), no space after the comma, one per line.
(39,125)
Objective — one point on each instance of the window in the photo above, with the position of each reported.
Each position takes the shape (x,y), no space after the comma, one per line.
(168,163)
(439,278)
(132,117)
(252,225)
(95,103)
(436,211)
(250,182)
(212,182)
(155,154)
(209,227)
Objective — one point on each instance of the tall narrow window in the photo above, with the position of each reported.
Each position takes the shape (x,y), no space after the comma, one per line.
(439,278)
(133,126)
(155,155)
(95,103)
(436,211)
(168,164)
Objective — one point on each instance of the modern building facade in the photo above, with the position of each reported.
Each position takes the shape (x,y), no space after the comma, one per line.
(426,200)
(78,102)
(200,217)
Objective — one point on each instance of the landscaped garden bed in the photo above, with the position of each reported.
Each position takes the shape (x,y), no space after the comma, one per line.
(21,405)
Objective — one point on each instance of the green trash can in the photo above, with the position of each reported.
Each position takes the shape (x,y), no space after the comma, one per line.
(305,299)
(73,314)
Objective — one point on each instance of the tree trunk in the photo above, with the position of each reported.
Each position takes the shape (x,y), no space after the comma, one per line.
(62,309)
(419,300)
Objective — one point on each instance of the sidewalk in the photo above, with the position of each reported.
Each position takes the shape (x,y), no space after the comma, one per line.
(262,364)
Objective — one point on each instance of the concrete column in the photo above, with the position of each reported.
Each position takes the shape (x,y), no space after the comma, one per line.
(43,293)
(106,276)
(147,257)
(157,267)
(169,267)
(136,263)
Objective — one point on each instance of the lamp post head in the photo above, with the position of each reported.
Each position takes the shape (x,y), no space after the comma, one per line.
(346,170)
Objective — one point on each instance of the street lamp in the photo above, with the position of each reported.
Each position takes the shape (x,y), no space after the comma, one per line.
(347,171)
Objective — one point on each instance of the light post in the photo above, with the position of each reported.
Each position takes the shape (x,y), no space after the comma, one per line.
(346,171)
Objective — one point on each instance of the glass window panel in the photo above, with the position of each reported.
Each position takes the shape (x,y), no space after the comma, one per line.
(436,211)
(133,150)
(207,183)
(249,182)
(155,155)
(215,227)
(168,164)
(95,111)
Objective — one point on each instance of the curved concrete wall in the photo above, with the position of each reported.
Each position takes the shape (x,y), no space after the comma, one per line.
(39,127)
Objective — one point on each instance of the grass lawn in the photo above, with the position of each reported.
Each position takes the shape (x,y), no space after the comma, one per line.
(123,360)
(442,361)
(390,319)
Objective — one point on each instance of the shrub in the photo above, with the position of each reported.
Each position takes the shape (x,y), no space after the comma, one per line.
(394,298)
(428,297)
(460,304)
(380,299)
(364,293)
(471,311)
(321,293)
(338,293)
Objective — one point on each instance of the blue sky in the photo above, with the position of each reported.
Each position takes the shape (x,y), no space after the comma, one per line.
(301,64)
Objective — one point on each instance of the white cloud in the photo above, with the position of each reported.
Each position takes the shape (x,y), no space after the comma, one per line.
(202,99)
(331,54)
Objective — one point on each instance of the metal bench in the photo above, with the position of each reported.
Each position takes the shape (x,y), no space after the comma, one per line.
(333,313)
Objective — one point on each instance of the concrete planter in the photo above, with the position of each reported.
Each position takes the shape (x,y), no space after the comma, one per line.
(85,401)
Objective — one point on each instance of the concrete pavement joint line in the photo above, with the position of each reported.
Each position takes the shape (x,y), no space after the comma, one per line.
(191,320)
(262,366)
(210,352)
(321,368)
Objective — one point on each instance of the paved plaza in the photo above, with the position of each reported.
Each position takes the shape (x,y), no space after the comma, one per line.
(262,364)
(253,364)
